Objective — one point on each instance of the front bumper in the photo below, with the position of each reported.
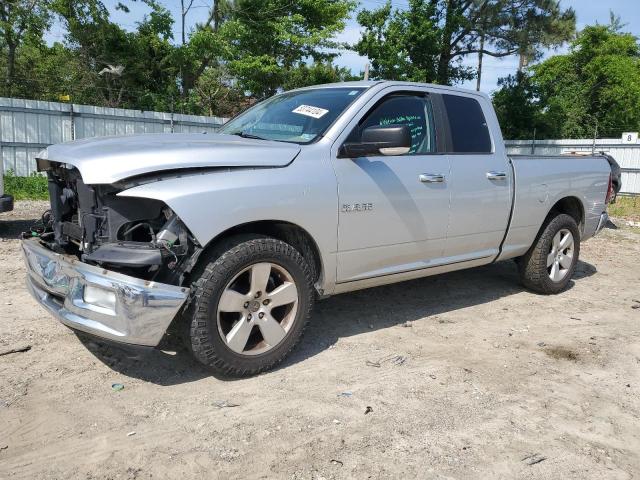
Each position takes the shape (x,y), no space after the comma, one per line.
(106,304)
(6,203)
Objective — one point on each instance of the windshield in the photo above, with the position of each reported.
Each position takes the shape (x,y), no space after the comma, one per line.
(299,117)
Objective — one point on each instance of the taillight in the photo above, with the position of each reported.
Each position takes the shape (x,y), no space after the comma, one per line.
(609,190)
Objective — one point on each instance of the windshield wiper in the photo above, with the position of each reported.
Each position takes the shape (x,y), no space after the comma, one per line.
(249,135)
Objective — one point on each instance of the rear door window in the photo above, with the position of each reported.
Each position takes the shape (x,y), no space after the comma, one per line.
(467,125)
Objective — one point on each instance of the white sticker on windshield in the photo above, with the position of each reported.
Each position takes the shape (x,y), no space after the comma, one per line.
(309,111)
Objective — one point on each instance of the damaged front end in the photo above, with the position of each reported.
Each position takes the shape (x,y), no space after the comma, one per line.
(140,237)
(110,266)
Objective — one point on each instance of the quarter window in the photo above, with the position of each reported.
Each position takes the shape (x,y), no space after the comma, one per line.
(467,124)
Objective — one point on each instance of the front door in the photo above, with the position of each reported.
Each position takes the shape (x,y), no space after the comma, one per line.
(394,210)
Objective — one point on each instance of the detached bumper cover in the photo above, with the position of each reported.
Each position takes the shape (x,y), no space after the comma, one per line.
(100,302)
(6,202)
(604,219)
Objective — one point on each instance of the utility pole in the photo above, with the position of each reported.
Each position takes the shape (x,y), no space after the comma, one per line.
(366,72)
(595,136)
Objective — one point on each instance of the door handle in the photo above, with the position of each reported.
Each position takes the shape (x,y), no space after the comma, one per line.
(431,178)
(496,175)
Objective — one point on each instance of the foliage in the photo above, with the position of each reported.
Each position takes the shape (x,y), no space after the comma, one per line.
(597,82)
(20,21)
(317,73)
(403,45)
(595,85)
(33,187)
(429,40)
(407,44)
(216,93)
(518,108)
(536,24)
(248,49)
(245,48)
(269,39)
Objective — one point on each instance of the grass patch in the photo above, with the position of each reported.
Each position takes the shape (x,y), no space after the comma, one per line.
(33,187)
(626,207)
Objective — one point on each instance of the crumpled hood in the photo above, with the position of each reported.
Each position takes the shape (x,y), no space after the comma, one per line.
(111,159)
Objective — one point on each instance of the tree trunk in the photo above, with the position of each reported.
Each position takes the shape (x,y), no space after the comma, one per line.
(523,61)
(480,62)
(11,64)
(216,15)
(442,75)
(183,15)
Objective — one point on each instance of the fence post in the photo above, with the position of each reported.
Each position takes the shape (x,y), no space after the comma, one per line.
(533,143)
(171,117)
(73,122)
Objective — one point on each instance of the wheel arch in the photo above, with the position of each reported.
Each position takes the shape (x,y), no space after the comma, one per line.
(288,232)
(570,205)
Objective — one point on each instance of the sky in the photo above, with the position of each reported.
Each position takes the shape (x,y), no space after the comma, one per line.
(588,12)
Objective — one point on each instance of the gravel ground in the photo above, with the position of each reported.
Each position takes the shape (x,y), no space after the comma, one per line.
(464,375)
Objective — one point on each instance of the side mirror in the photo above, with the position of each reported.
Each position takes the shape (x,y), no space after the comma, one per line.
(379,139)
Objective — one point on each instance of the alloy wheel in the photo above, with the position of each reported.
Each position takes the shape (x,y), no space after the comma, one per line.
(560,257)
(257,308)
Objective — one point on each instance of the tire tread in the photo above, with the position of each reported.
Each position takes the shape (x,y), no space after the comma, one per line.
(216,266)
(532,266)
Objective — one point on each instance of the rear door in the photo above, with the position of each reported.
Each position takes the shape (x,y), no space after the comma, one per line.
(480,180)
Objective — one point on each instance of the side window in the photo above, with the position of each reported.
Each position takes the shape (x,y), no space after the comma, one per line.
(469,130)
(411,110)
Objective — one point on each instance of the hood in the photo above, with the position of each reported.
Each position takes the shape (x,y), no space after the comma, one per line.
(111,159)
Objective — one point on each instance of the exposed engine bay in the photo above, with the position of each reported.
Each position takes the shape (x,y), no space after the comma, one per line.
(135,236)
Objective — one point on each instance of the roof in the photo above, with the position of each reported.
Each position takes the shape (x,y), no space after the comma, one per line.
(371,83)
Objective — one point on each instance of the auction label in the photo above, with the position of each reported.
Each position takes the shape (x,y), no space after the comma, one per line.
(309,111)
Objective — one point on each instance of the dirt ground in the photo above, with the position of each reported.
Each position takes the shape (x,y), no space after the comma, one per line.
(464,375)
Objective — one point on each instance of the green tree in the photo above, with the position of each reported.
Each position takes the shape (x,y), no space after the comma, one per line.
(20,20)
(539,25)
(216,93)
(120,68)
(429,40)
(409,44)
(518,108)
(267,39)
(596,84)
(524,27)
(317,73)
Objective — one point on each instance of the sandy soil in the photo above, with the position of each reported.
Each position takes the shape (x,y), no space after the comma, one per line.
(477,378)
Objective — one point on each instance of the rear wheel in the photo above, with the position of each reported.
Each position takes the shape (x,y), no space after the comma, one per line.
(550,263)
(251,304)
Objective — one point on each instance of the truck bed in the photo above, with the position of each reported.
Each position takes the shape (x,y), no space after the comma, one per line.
(541,181)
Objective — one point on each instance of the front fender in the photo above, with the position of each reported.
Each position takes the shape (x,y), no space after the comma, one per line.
(211,203)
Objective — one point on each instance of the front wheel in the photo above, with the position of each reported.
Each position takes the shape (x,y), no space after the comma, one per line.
(550,263)
(250,305)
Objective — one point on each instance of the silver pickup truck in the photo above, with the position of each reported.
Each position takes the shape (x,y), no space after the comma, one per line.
(230,238)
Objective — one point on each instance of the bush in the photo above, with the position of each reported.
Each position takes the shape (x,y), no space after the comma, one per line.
(33,187)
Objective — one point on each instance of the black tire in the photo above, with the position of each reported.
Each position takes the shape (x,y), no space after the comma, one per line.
(218,269)
(533,269)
